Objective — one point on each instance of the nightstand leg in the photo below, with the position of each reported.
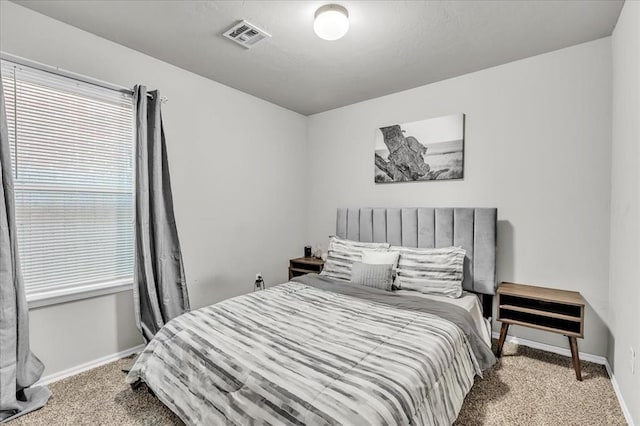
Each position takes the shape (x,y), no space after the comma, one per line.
(573,343)
(503,336)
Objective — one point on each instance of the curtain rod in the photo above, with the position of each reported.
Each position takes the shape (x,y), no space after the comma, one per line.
(69,74)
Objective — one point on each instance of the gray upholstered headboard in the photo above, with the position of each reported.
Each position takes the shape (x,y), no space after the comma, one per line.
(473,229)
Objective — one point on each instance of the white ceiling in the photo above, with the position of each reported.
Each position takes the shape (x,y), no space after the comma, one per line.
(391,45)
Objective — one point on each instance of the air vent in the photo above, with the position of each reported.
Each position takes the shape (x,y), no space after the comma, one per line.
(246,34)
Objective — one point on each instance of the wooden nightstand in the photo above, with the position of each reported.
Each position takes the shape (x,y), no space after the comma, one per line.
(557,311)
(305,265)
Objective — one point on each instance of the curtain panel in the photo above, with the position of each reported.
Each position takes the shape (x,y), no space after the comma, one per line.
(160,288)
(19,367)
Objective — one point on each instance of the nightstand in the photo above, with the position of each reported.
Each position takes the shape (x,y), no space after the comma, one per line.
(305,265)
(557,311)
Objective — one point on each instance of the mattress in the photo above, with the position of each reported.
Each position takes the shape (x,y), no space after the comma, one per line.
(469,302)
(314,353)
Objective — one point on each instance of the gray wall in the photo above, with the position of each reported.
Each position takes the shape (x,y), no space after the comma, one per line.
(624,290)
(537,148)
(237,181)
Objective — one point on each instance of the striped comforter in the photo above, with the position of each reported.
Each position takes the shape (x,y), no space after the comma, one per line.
(296,354)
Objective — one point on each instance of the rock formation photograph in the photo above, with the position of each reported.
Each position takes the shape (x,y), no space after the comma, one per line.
(430,149)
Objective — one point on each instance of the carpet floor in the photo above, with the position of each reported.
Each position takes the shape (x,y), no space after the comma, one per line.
(526,387)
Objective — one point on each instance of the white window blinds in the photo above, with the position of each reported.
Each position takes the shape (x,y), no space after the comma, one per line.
(72,163)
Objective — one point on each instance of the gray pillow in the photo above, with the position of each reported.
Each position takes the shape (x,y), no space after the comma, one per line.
(376,276)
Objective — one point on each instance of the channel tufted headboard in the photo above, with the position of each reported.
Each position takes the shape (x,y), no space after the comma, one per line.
(473,229)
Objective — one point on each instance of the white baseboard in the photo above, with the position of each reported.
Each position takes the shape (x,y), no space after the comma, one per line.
(597,359)
(50,378)
(616,389)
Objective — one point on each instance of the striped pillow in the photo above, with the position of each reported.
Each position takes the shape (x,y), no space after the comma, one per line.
(342,254)
(435,270)
(378,276)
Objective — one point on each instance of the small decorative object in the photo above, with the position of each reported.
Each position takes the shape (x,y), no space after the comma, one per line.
(307,251)
(318,252)
(259,284)
(430,149)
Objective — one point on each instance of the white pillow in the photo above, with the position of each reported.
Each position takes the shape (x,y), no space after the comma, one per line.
(380,257)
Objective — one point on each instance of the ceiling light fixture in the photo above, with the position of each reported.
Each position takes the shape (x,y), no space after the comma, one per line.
(331,22)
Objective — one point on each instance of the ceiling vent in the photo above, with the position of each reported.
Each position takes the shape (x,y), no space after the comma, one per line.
(246,34)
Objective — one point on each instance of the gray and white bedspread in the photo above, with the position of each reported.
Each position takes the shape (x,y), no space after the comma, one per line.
(299,354)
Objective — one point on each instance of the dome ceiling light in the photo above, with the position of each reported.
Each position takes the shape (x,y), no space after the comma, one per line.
(331,22)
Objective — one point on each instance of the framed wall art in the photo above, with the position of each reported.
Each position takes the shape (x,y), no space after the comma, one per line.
(431,149)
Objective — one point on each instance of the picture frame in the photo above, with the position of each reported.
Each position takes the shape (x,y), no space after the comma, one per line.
(425,150)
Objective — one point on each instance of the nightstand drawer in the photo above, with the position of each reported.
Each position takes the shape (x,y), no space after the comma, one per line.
(568,327)
(541,306)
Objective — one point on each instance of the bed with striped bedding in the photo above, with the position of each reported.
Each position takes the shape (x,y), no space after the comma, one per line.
(302,354)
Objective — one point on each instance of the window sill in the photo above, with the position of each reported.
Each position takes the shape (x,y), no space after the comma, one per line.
(64,295)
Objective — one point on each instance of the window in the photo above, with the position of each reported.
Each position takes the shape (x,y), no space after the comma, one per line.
(72,163)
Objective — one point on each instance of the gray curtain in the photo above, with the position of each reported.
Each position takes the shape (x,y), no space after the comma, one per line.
(160,289)
(19,368)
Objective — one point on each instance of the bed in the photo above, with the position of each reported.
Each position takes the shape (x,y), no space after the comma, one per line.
(320,351)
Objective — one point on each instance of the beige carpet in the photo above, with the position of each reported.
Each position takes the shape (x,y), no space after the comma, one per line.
(526,387)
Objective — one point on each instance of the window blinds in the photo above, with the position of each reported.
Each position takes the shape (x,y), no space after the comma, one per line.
(72,163)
